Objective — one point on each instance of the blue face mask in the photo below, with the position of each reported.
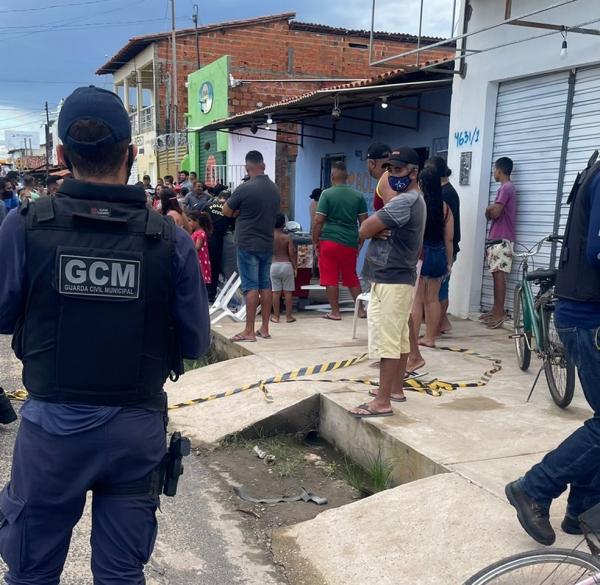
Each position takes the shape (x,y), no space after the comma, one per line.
(399,184)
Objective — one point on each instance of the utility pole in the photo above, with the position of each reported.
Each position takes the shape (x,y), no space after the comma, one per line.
(195,19)
(174,81)
(47,143)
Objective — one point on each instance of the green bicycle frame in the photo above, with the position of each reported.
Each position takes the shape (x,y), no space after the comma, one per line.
(531,319)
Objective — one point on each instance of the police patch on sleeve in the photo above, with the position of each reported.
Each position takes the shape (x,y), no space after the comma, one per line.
(98,275)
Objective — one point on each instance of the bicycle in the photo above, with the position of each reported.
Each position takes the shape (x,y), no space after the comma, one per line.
(534,329)
(550,566)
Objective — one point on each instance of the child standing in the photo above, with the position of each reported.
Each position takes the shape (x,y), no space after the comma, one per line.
(201,230)
(283,270)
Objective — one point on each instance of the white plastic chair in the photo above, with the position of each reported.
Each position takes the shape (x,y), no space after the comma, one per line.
(223,305)
(365,298)
(239,316)
(220,303)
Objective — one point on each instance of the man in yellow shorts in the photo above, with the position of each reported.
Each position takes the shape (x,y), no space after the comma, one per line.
(390,265)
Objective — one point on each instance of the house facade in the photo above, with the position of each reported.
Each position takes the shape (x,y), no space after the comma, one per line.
(521,93)
(269,58)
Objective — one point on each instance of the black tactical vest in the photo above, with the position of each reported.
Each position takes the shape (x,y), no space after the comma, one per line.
(97,326)
(577,279)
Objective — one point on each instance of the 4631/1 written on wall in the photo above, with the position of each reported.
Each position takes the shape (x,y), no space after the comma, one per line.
(467,137)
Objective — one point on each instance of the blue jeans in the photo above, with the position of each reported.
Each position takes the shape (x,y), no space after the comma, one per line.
(46,495)
(576,461)
(255,270)
(435,264)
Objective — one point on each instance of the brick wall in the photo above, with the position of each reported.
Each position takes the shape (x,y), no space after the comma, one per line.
(274,50)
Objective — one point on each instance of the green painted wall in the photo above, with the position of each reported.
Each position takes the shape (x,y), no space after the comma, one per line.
(217,75)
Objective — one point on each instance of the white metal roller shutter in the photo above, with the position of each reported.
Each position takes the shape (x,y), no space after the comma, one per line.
(584,134)
(530,117)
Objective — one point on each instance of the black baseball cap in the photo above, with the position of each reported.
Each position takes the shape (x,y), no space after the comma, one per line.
(100,105)
(378,150)
(403,155)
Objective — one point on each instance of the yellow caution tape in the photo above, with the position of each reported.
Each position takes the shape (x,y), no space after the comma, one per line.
(433,387)
(292,376)
(17,395)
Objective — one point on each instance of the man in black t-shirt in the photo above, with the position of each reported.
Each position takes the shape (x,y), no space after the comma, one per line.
(220,226)
(255,204)
(451,199)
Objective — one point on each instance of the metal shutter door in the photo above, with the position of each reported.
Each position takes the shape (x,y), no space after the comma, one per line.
(530,118)
(584,135)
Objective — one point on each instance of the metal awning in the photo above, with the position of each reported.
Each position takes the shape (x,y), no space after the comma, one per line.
(321,102)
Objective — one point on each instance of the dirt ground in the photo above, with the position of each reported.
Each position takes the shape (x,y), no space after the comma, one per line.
(315,466)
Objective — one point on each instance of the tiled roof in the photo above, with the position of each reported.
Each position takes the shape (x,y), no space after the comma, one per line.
(383,78)
(401,75)
(380,35)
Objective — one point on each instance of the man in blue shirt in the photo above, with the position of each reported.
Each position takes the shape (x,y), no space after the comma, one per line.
(93,286)
(575,463)
(9,197)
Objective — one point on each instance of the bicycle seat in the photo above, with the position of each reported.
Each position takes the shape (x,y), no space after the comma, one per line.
(542,274)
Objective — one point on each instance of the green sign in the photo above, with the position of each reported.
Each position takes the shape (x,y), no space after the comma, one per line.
(208,100)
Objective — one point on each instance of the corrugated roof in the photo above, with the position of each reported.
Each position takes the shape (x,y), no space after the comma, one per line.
(137,44)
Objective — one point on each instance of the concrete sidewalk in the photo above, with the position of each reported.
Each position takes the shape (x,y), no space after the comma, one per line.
(452,455)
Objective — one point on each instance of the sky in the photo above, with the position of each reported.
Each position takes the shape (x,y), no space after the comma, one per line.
(53,46)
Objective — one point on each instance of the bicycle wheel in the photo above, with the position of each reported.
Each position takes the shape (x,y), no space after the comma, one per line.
(560,372)
(552,566)
(522,338)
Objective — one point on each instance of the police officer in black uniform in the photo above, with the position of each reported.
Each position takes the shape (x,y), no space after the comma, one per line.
(104,298)
(575,463)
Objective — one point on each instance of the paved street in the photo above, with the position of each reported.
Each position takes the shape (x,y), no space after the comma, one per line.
(199,542)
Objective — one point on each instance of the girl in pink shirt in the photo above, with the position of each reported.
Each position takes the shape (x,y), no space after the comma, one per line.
(201,230)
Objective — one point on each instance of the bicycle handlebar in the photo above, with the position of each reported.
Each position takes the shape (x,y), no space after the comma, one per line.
(531,252)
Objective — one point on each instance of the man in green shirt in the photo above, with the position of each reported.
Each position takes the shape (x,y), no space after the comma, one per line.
(340,212)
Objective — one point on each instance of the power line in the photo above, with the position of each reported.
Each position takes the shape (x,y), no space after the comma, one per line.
(52,81)
(11,127)
(59,25)
(45,27)
(27,115)
(13,10)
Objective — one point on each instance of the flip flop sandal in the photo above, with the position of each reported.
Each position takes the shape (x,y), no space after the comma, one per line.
(329,317)
(497,324)
(371,414)
(414,375)
(262,335)
(242,339)
(392,399)
(292,320)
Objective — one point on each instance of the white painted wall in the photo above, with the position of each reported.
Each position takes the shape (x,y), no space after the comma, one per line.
(474,104)
(240,145)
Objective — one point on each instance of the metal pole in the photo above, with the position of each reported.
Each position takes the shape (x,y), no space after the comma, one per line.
(174,82)
(47,143)
(453,19)
(372,34)
(420,33)
(474,32)
(195,19)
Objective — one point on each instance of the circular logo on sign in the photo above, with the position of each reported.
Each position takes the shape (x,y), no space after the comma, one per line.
(206,97)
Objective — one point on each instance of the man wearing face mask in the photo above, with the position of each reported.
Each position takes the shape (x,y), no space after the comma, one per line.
(390,265)
(103,297)
(378,156)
